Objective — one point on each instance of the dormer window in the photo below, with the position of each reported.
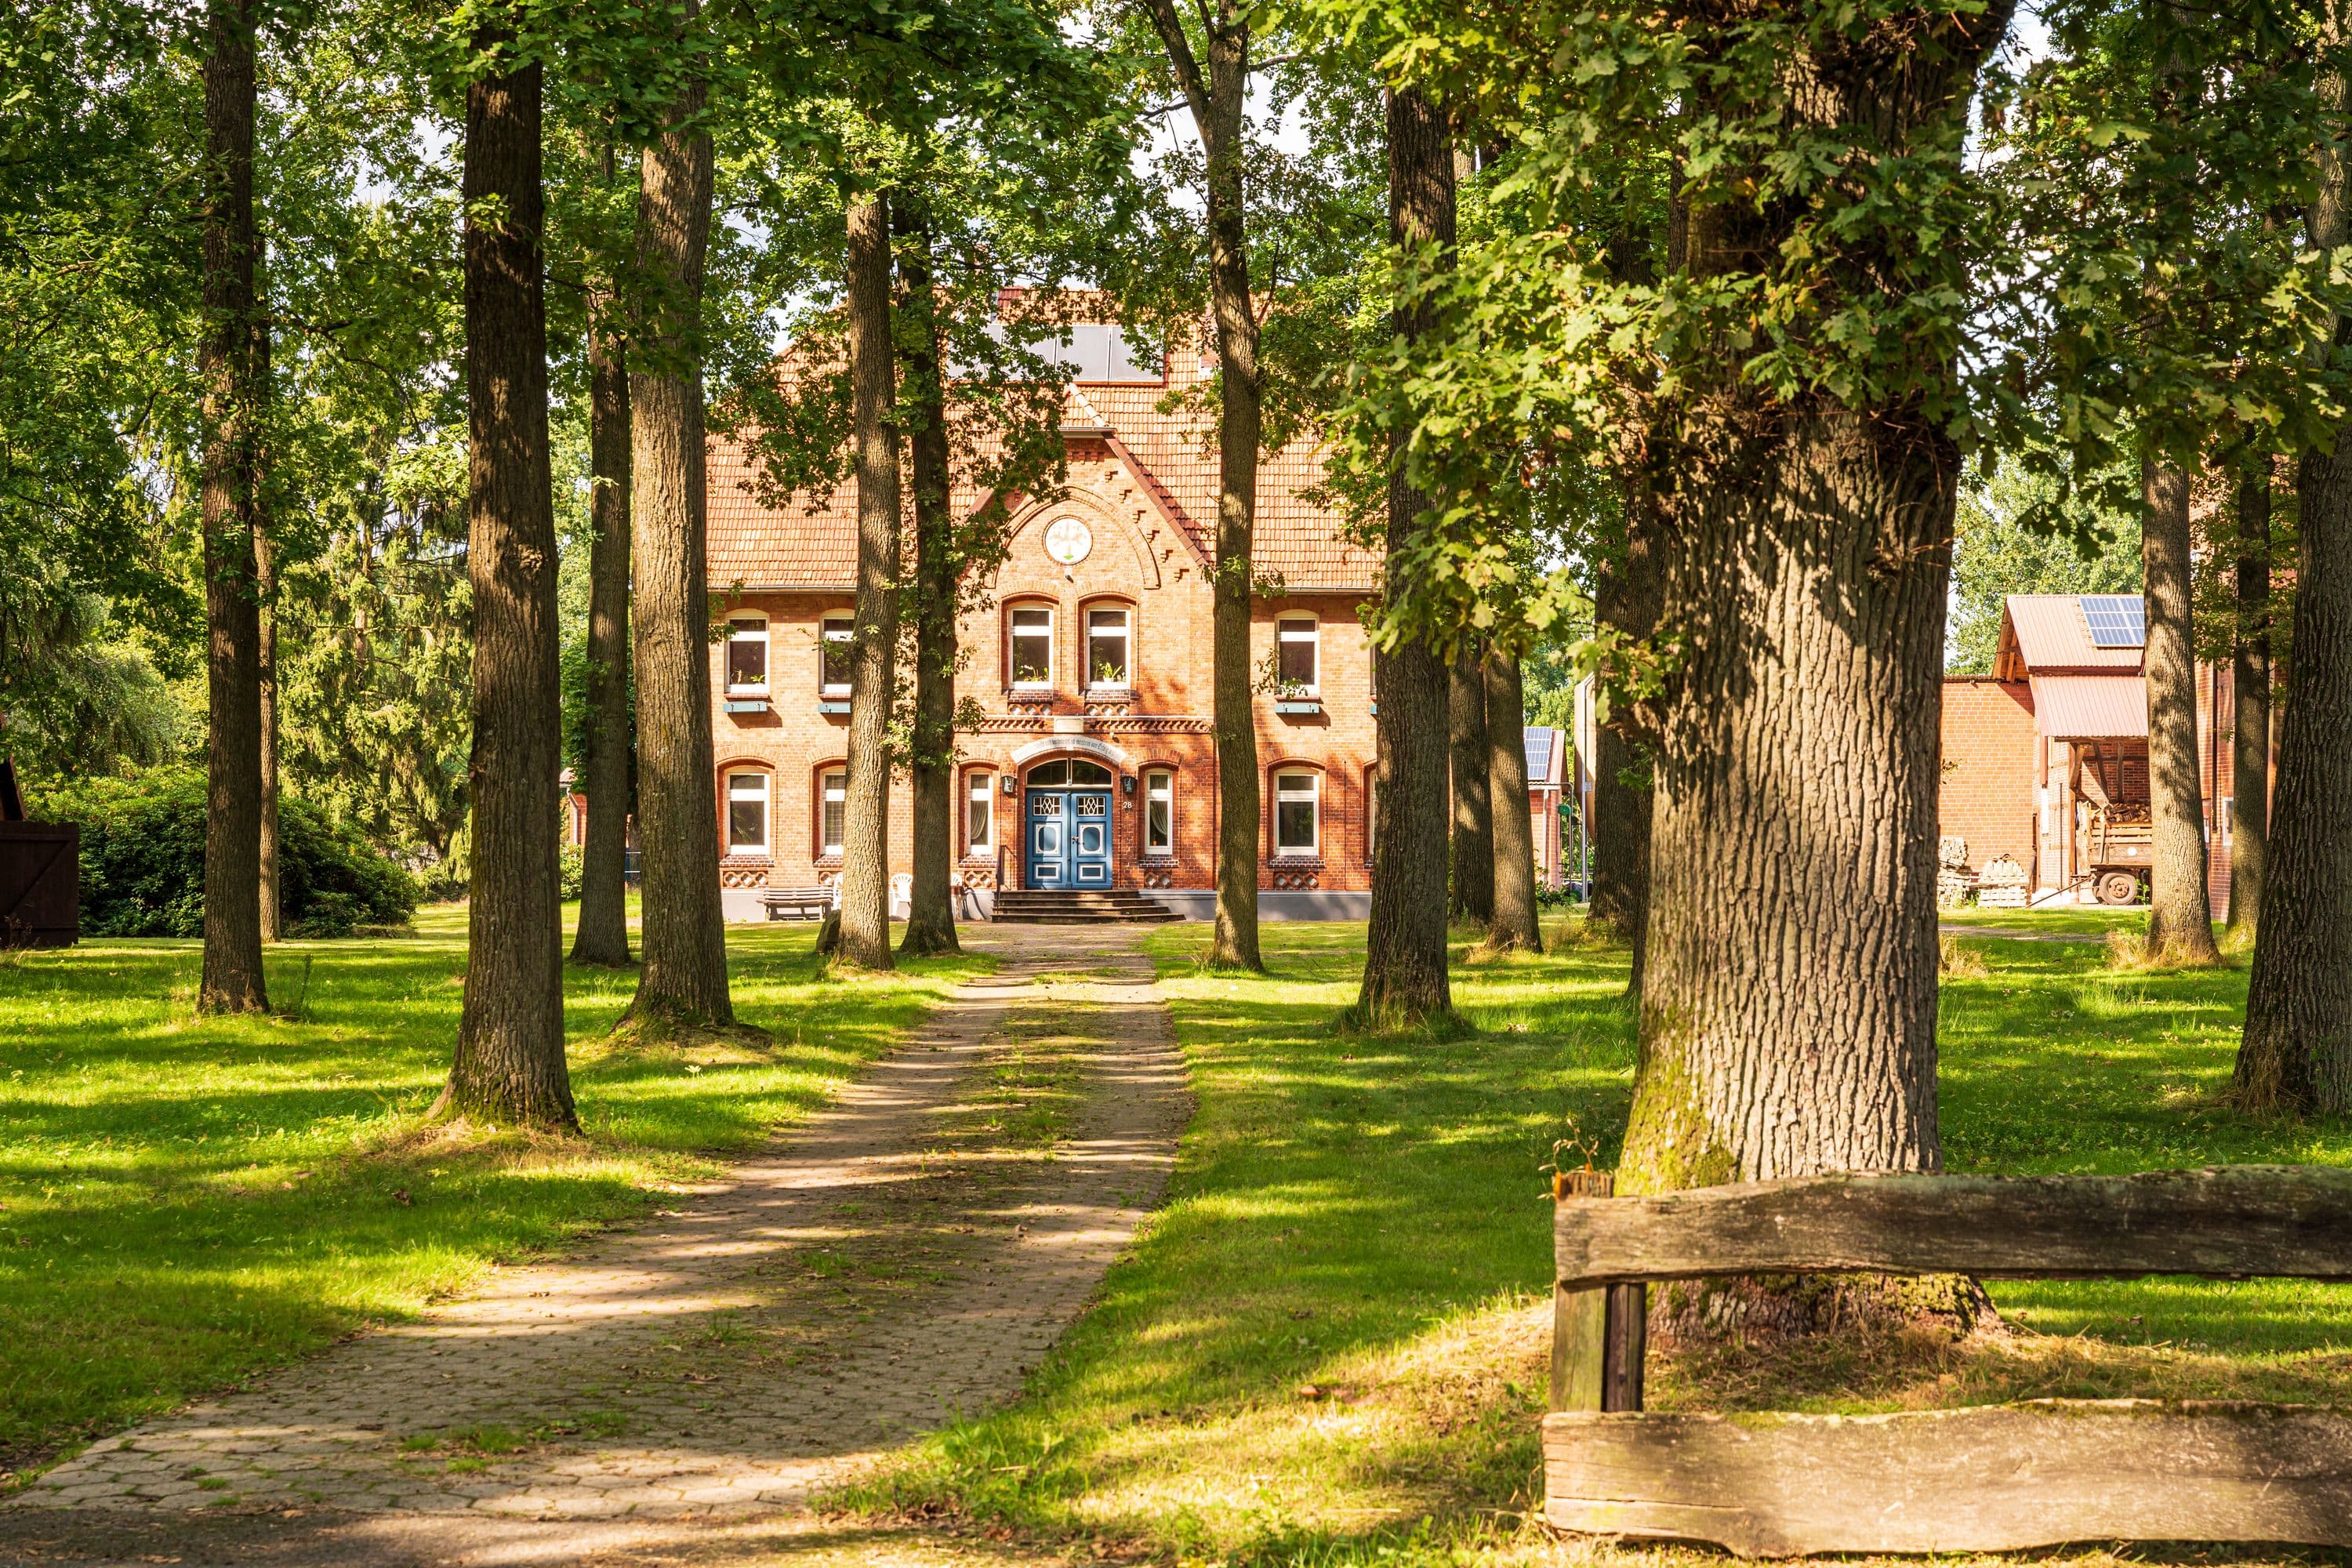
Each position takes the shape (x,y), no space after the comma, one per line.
(746,656)
(1033,647)
(1108,645)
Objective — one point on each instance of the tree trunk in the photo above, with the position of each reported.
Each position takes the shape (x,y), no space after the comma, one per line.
(1217,99)
(233,415)
(2250,678)
(1627,603)
(1789,1010)
(1473,820)
(682,939)
(1404,959)
(930,911)
(509,1066)
(1514,924)
(603,936)
(2296,1053)
(2180,920)
(865,839)
(265,575)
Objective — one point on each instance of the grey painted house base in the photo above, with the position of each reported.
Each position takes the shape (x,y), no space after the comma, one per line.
(743,907)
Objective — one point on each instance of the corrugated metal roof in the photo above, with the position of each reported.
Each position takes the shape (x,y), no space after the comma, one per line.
(2090,707)
(2048,632)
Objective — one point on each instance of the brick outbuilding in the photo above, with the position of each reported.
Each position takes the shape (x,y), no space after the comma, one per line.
(1092,762)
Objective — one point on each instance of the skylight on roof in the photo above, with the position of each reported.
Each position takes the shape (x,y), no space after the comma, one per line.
(2114,619)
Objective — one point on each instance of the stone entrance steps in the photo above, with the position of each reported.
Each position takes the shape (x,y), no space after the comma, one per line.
(1079,907)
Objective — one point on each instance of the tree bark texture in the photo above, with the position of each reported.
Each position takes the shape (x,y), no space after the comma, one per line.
(1514,924)
(682,938)
(265,576)
(233,413)
(1404,960)
(1473,819)
(509,1066)
(1788,1007)
(1217,97)
(2296,1052)
(930,910)
(865,839)
(2181,918)
(2250,681)
(603,936)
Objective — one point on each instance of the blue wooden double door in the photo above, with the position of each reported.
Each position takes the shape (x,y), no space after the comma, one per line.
(1069,825)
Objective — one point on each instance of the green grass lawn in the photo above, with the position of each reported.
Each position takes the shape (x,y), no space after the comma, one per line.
(185,1200)
(1337,1328)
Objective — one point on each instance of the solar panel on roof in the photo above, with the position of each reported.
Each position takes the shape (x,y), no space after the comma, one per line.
(1539,754)
(2115,620)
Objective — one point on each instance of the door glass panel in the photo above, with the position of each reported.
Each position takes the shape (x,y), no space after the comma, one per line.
(1049,838)
(1045,805)
(1092,804)
(1090,838)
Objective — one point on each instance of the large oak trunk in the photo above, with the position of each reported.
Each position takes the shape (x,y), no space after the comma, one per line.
(2250,682)
(1404,960)
(234,391)
(1473,821)
(1788,1011)
(930,910)
(865,935)
(1627,602)
(1514,924)
(265,576)
(2297,1054)
(683,936)
(603,936)
(509,1066)
(2180,919)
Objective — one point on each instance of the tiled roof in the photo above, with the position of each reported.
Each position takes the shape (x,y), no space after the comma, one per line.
(2045,631)
(811,542)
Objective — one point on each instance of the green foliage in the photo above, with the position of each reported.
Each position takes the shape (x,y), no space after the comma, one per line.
(1997,550)
(142,861)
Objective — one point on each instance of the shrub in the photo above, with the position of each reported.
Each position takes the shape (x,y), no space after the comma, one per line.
(142,861)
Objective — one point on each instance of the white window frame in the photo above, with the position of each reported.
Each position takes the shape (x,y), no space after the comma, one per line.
(832,785)
(980,788)
(1288,629)
(1011,638)
(764,793)
(749,628)
(1314,794)
(1127,642)
(1159,788)
(826,635)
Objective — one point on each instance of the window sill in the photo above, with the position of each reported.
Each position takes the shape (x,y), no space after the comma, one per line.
(1298,705)
(747,691)
(833,705)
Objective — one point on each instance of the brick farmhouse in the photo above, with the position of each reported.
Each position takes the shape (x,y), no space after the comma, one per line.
(2044,786)
(1093,763)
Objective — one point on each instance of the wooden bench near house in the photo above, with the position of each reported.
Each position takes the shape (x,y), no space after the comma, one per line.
(1989,1478)
(797,903)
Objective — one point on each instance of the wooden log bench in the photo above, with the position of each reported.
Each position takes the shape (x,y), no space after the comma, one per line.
(1989,1478)
(797,903)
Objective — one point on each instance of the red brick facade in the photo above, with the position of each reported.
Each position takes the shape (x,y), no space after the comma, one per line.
(1991,768)
(1143,554)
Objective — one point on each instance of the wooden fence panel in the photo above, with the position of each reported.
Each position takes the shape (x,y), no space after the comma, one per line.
(2227,1222)
(1993,1479)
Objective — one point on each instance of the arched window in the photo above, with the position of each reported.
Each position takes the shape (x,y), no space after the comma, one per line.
(1110,648)
(1159,811)
(1296,668)
(746,656)
(832,810)
(1031,636)
(979,813)
(747,813)
(1297,811)
(1068,771)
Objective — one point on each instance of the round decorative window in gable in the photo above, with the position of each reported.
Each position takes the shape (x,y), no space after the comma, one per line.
(1068,540)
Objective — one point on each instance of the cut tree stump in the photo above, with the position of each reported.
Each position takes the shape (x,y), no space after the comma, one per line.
(1996,1477)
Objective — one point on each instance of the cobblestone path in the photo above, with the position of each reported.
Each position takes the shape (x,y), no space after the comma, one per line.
(906,1254)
